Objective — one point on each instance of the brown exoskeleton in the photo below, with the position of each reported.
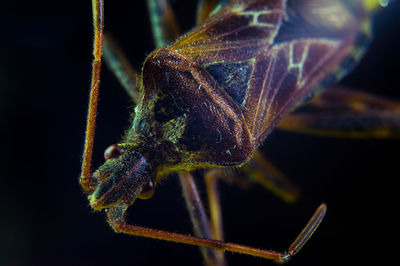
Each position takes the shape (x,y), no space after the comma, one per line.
(209,99)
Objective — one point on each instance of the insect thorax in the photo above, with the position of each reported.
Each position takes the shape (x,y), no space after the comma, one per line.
(184,119)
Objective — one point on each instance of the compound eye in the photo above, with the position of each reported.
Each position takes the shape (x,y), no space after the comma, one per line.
(112,151)
(147,191)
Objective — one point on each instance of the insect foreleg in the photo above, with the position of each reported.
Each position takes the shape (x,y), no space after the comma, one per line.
(199,218)
(163,22)
(117,62)
(116,219)
(98,24)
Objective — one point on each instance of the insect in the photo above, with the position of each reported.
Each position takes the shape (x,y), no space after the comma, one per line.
(210,98)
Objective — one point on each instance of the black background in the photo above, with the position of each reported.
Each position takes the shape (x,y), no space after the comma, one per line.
(45,219)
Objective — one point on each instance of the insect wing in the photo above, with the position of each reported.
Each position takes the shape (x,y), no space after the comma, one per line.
(237,32)
(267,55)
(283,76)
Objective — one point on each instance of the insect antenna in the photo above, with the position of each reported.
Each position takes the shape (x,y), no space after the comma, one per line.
(116,219)
(98,24)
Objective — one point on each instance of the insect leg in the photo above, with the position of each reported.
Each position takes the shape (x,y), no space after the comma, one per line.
(339,112)
(199,218)
(164,25)
(258,170)
(120,66)
(116,219)
(204,9)
(98,24)
(263,172)
(211,179)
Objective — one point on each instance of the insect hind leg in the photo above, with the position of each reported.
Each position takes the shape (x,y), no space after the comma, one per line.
(345,113)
